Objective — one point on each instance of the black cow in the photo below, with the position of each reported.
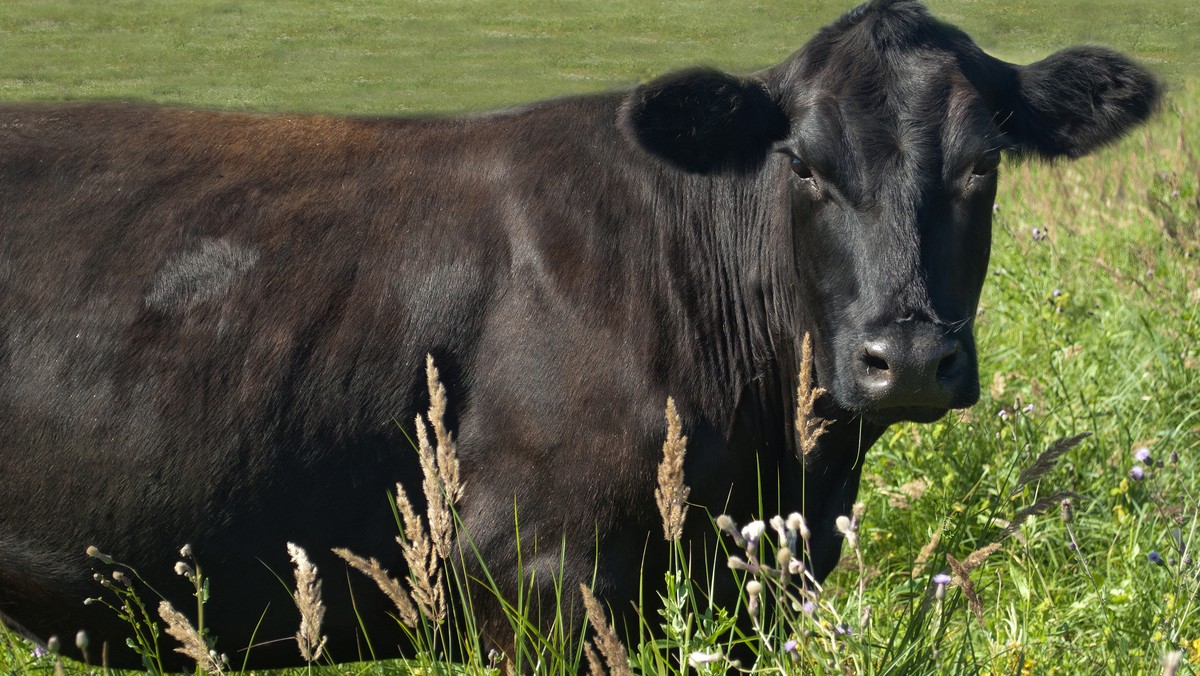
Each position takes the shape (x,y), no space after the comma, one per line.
(211,321)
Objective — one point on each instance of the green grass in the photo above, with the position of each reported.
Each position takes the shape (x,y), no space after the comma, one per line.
(1095,324)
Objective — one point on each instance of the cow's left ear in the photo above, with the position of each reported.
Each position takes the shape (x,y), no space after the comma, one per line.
(1077,100)
(704,120)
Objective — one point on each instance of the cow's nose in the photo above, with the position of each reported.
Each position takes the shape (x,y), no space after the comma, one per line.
(900,371)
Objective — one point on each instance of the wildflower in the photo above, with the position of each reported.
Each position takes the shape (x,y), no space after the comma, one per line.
(1174,457)
(1171,662)
(795,566)
(777,525)
(730,527)
(1003,414)
(81,640)
(809,607)
(736,563)
(37,652)
(1142,455)
(1028,408)
(847,529)
(843,629)
(754,589)
(796,522)
(995,208)
(185,570)
(940,580)
(53,645)
(752,532)
(701,658)
(1056,293)
(186,551)
(790,646)
(1137,473)
(95,553)
(783,557)
(1038,234)
(1155,558)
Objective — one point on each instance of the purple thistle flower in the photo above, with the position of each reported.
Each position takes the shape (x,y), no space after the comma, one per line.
(790,646)
(809,607)
(1142,455)
(941,579)
(1137,473)
(843,629)
(1056,293)
(1156,558)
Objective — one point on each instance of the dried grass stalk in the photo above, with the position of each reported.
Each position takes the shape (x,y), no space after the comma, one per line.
(308,601)
(672,493)
(961,578)
(977,557)
(595,667)
(809,427)
(1048,458)
(425,544)
(606,639)
(193,645)
(425,572)
(447,453)
(400,598)
(437,508)
(926,553)
(1040,506)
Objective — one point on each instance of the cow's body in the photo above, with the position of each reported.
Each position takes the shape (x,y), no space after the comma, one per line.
(213,326)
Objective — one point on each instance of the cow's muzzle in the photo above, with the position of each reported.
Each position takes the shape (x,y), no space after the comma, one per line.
(915,371)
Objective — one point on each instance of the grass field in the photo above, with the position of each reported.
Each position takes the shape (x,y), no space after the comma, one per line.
(1089,322)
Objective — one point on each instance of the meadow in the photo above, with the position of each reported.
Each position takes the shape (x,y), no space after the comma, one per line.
(1064,557)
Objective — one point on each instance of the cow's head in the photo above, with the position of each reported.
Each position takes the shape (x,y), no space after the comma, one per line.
(888,127)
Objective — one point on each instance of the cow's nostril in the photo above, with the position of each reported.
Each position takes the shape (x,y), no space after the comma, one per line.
(949,362)
(873,362)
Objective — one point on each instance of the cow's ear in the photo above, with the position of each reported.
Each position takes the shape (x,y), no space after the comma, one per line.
(1077,100)
(704,120)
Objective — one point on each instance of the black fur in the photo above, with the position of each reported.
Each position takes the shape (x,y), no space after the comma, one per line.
(704,120)
(1079,99)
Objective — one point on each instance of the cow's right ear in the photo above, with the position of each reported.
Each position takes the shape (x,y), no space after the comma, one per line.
(704,120)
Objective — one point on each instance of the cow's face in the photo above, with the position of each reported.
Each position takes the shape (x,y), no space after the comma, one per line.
(888,129)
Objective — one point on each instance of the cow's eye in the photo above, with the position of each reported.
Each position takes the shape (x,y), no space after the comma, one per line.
(987,163)
(801,168)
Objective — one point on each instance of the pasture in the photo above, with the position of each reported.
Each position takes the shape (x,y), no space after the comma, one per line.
(1088,322)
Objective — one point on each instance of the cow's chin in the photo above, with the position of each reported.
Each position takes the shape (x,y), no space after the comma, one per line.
(891,416)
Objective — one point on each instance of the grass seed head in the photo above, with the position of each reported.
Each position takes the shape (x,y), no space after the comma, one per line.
(809,427)
(672,493)
(308,602)
(192,644)
(610,646)
(407,612)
